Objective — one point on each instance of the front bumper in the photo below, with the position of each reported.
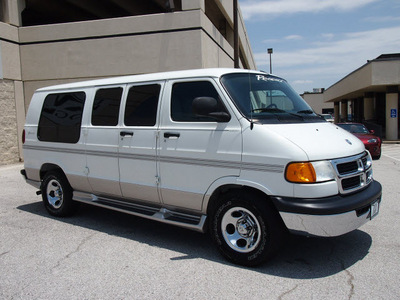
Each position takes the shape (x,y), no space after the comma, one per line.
(374,149)
(331,216)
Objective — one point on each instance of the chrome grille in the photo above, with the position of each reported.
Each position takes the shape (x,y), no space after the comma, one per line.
(353,173)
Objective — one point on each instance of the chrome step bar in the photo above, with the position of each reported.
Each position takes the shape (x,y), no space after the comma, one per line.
(189,221)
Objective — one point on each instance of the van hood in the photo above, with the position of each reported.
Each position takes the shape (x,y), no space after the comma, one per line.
(320,140)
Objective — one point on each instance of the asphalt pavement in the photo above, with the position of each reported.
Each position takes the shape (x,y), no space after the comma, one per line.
(101,254)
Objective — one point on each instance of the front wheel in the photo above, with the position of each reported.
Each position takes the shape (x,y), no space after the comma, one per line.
(246,228)
(57,194)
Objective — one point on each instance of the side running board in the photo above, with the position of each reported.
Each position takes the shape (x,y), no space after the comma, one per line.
(189,221)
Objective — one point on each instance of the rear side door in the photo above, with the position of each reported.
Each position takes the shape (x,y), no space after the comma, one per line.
(194,151)
(102,141)
(138,143)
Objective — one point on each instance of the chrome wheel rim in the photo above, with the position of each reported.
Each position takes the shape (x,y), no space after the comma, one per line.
(241,229)
(54,194)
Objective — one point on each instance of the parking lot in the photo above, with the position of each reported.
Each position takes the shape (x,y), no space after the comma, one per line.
(100,254)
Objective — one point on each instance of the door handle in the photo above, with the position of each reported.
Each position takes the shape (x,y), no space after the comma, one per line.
(126,133)
(168,135)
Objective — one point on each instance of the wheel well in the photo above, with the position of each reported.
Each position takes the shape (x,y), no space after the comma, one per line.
(49,167)
(227,188)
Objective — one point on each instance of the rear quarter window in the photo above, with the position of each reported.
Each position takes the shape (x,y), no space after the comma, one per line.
(61,117)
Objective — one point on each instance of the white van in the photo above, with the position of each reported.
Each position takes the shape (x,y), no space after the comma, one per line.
(234,151)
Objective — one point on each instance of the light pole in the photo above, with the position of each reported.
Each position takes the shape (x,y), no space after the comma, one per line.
(270,51)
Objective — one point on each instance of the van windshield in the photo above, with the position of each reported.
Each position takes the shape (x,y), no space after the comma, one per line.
(266,98)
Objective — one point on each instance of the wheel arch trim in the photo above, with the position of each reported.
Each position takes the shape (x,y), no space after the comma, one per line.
(227,183)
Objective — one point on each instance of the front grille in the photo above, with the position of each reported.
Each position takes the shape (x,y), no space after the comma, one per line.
(351,183)
(346,168)
(353,173)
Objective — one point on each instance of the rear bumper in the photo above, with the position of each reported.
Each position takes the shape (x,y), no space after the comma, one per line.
(34,183)
(331,216)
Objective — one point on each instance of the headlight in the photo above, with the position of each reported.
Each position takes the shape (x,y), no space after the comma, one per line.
(309,172)
(372,141)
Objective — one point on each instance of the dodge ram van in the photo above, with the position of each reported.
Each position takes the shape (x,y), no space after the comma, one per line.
(231,151)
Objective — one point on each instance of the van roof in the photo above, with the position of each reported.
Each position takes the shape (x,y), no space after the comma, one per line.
(212,72)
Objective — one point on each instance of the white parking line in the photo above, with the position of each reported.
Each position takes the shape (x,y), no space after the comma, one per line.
(398,159)
(391,151)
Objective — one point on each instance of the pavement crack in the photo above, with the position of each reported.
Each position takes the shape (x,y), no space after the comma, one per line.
(76,250)
(287,292)
(350,279)
(4,253)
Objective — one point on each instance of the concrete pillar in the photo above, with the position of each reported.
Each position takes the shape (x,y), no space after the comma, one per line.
(21,113)
(392,113)
(336,112)
(12,10)
(194,4)
(343,111)
(369,106)
(352,110)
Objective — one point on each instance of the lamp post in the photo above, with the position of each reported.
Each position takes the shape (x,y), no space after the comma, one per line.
(270,51)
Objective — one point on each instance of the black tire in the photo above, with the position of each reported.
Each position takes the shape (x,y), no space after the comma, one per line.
(246,228)
(376,157)
(57,194)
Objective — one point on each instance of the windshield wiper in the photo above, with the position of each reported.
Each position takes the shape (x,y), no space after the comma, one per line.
(277,110)
(296,115)
(306,111)
(265,109)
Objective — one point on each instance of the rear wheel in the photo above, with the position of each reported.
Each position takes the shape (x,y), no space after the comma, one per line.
(57,194)
(246,228)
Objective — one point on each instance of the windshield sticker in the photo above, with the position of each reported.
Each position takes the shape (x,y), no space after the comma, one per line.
(264,78)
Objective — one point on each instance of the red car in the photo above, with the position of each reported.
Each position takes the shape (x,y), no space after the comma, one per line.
(371,142)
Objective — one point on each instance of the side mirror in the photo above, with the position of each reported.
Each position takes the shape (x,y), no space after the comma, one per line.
(208,107)
(372,131)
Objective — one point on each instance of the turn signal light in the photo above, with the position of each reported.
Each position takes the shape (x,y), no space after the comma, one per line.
(301,173)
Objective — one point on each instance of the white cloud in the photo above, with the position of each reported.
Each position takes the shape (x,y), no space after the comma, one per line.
(353,46)
(293,37)
(333,58)
(382,19)
(302,81)
(271,41)
(251,8)
(328,36)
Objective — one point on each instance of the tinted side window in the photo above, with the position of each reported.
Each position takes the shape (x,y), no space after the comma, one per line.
(61,117)
(141,105)
(106,107)
(182,97)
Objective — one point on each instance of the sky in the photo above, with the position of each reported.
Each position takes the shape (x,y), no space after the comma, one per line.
(318,42)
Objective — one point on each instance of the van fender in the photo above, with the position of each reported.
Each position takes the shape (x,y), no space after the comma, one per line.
(230,182)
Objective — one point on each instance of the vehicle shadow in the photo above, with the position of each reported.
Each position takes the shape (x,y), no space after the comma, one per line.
(300,258)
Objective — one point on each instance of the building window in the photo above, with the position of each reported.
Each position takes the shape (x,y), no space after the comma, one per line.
(61,117)
(106,107)
(141,105)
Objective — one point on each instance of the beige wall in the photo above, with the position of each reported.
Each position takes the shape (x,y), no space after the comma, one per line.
(8,120)
(316,101)
(358,80)
(12,113)
(386,73)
